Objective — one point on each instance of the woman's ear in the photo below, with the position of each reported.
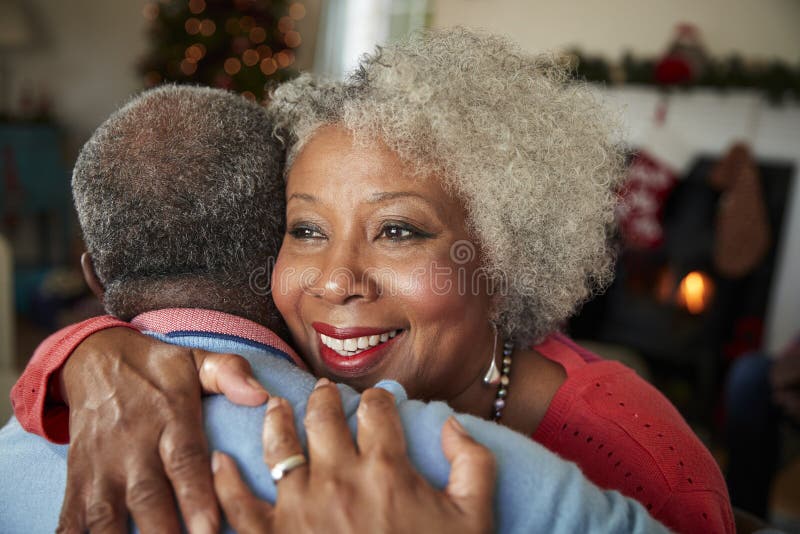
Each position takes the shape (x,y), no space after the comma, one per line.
(89,274)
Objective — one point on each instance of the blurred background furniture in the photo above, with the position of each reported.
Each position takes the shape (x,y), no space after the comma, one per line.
(16,34)
(8,372)
(7,327)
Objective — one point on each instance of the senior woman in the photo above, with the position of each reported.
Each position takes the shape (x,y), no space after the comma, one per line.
(448,208)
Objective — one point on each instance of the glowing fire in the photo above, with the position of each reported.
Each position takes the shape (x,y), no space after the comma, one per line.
(695,292)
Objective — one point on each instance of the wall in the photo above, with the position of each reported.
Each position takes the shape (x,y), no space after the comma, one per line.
(755,28)
(85,60)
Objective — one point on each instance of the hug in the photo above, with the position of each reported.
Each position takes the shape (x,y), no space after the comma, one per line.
(352,191)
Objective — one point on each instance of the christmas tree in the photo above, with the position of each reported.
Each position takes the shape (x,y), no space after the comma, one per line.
(241,45)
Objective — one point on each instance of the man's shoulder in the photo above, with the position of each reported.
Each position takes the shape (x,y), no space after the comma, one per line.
(15,440)
(34,474)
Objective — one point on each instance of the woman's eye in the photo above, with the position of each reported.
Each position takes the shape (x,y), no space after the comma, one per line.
(306,232)
(398,232)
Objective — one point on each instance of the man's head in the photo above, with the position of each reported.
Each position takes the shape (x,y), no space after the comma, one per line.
(180,199)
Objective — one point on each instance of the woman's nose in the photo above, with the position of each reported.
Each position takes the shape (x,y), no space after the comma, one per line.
(347,277)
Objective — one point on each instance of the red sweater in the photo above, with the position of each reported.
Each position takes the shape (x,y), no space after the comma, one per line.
(625,435)
(621,431)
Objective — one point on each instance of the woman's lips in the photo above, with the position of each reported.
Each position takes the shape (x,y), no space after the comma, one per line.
(353,351)
(345,332)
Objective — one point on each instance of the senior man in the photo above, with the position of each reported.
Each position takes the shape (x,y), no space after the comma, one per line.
(180,200)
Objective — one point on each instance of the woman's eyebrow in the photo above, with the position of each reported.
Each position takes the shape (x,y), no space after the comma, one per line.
(375,199)
(302,196)
(392,195)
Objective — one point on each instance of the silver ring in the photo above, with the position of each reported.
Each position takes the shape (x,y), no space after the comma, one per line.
(283,467)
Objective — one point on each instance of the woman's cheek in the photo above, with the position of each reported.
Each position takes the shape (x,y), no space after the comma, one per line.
(447,320)
(435,292)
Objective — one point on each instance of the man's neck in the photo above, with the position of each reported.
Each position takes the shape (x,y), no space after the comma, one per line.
(130,298)
(171,320)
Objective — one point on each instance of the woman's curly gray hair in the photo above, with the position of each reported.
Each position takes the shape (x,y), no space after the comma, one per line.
(527,150)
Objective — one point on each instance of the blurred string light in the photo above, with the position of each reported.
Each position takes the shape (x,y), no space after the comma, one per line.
(292,39)
(192,26)
(286,24)
(297,11)
(207,28)
(250,57)
(241,45)
(196,52)
(188,67)
(150,11)
(269,66)
(258,35)
(232,66)
(284,58)
(197,6)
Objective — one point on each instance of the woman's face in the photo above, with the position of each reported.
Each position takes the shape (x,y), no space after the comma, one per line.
(377,276)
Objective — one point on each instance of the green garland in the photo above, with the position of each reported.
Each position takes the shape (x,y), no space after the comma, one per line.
(778,80)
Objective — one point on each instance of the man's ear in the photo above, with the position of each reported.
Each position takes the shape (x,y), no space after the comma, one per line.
(89,274)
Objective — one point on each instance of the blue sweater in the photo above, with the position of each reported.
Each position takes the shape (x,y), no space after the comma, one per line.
(536,490)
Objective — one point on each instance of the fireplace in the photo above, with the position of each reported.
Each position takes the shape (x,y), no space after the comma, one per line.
(671,304)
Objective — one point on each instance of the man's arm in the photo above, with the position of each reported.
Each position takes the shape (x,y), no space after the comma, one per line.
(40,401)
(36,397)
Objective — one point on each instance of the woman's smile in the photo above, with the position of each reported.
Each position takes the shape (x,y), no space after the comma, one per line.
(354,350)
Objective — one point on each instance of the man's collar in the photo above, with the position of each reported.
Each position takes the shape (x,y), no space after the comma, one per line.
(169,320)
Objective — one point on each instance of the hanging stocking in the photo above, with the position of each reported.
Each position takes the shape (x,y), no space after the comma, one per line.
(742,232)
(652,175)
(647,186)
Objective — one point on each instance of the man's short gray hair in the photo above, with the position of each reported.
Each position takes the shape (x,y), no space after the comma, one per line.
(180,198)
(528,151)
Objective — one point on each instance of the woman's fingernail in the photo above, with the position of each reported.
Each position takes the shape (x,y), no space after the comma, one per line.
(458,427)
(200,524)
(215,460)
(322,382)
(273,403)
(255,384)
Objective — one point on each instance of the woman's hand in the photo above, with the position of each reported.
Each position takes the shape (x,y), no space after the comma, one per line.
(369,488)
(136,432)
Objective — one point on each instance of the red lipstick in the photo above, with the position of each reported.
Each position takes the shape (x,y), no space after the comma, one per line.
(358,364)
